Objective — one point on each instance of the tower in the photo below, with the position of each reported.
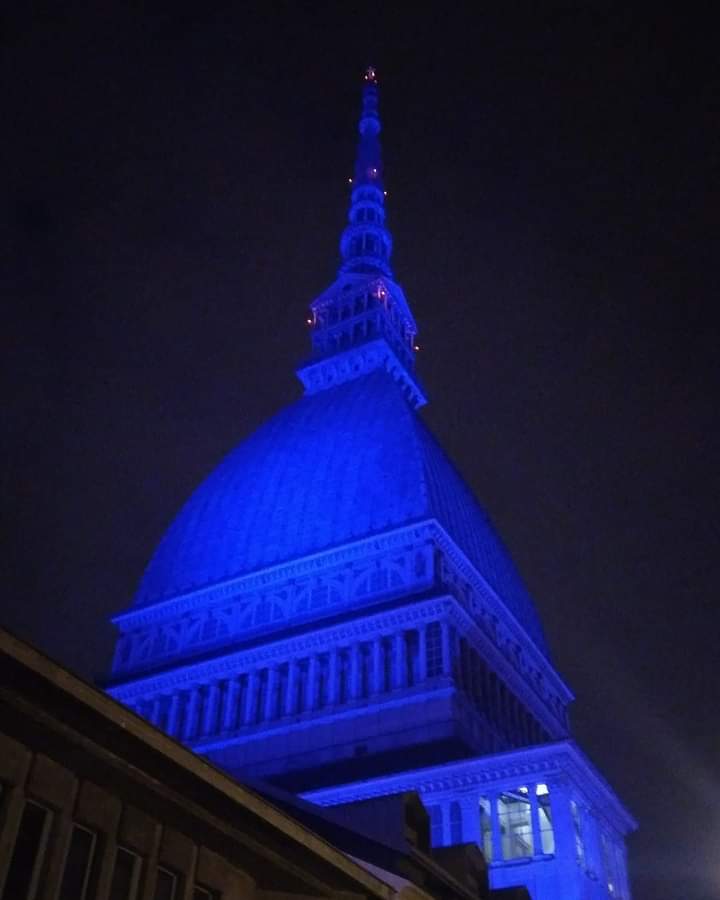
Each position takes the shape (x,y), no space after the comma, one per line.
(333,611)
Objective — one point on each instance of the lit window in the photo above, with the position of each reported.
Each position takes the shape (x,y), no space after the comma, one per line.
(577,828)
(78,864)
(515,824)
(126,875)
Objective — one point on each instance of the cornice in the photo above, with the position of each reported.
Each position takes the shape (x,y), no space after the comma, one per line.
(562,765)
(227,665)
(489,595)
(355,363)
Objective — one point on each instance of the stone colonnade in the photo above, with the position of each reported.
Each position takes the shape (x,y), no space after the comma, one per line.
(291,687)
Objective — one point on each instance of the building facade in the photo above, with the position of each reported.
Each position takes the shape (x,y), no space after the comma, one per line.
(97,804)
(332,610)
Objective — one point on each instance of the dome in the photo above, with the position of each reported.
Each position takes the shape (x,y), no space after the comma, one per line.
(331,468)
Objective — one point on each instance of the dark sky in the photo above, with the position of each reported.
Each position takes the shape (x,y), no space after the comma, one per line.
(175,186)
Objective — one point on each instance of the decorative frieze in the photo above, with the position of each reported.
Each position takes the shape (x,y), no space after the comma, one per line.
(387,570)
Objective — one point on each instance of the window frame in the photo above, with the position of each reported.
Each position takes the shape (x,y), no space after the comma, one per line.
(90,863)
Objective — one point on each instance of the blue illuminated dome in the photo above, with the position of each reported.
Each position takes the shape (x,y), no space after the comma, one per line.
(333,612)
(336,466)
(351,458)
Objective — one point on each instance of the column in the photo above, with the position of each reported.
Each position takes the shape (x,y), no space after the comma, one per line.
(445,643)
(271,699)
(399,660)
(332,688)
(291,688)
(229,710)
(378,674)
(191,710)
(311,686)
(422,653)
(535,820)
(470,804)
(497,843)
(447,828)
(172,717)
(562,823)
(355,662)
(250,711)
(212,702)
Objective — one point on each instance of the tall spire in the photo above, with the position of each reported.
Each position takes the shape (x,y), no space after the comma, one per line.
(365,245)
(362,323)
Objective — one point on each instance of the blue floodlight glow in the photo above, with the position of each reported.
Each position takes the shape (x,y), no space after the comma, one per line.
(332,609)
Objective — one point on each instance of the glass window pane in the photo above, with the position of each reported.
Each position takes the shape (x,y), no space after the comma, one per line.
(23,875)
(577,827)
(515,824)
(126,875)
(78,864)
(165,885)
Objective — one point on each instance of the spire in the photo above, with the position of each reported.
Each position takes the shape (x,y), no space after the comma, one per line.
(362,323)
(365,245)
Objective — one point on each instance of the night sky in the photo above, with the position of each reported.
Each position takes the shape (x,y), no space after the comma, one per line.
(175,187)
